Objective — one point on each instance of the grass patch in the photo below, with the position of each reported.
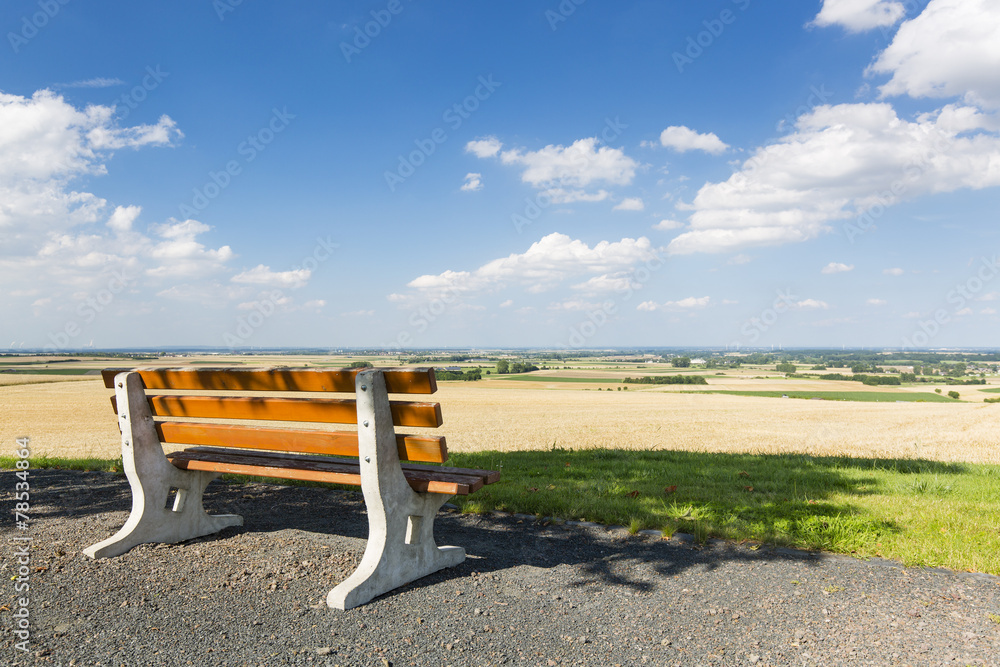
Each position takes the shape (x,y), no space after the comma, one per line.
(991,391)
(916,511)
(862,396)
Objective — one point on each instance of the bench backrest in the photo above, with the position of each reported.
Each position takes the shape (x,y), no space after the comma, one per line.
(215,401)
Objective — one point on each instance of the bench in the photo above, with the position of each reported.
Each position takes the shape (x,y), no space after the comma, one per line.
(402,498)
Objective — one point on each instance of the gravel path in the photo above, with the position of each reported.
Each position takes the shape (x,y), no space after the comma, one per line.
(527,594)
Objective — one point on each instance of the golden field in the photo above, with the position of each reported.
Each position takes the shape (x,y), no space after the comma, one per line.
(71,416)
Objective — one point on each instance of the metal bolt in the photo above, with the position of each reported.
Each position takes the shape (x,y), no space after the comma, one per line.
(124,417)
(364,387)
(126,443)
(366,422)
(120,384)
(368,460)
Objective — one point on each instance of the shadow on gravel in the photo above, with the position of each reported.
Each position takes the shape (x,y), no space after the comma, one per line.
(526,549)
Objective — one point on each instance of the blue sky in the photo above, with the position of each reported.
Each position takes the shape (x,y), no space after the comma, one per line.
(574,174)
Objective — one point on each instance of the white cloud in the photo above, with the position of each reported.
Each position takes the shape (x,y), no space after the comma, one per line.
(484,148)
(813,304)
(834,167)
(893,272)
(263,275)
(619,282)
(739,260)
(876,302)
(317,304)
(860,15)
(507,304)
(667,225)
(951,49)
(837,267)
(578,165)
(563,196)
(683,139)
(963,312)
(96,82)
(988,311)
(690,303)
(630,204)
(546,263)
(473,182)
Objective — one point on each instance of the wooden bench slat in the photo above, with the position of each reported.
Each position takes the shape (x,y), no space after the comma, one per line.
(397,380)
(326,410)
(432,449)
(312,469)
(484,476)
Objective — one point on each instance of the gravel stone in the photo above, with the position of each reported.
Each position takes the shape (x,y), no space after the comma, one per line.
(528,594)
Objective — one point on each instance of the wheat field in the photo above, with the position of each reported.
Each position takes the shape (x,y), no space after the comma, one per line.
(74,419)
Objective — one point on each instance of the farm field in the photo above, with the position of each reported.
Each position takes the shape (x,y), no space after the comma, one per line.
(587,408)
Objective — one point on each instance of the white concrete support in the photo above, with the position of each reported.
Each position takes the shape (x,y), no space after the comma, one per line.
(152,477)
(401,544)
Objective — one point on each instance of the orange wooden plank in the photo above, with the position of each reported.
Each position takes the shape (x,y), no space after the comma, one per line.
(327,411)
(431,449)
(397,380)
(310,469)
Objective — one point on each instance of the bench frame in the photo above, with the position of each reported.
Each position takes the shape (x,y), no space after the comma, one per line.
(400,548)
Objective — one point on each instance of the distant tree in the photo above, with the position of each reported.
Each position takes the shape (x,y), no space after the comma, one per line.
(681,362)
(953,394)
(503,367)
(361,364)
(785,367)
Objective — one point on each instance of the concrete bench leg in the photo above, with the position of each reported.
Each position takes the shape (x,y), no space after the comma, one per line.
(401,545)
(152,478)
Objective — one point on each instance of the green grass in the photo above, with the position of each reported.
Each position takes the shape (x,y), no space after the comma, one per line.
(540,378)
(863,396)
(915,511)
(991,391)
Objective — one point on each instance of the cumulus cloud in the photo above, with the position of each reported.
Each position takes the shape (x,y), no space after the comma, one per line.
(893,272)
(263,275)
(683,139)
(630,204)
(484,148)
(473,182)
(812,304)
(578,165)
(951,49)
(860,15)
(549,261)
(667,225)
(690,303)
(876,302)
(837,267)
(839,161)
